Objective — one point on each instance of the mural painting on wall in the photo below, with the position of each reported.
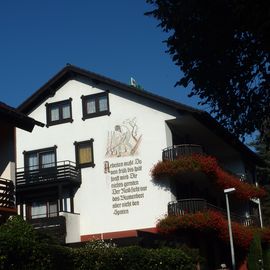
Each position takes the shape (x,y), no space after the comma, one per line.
(124,140)
(124,174)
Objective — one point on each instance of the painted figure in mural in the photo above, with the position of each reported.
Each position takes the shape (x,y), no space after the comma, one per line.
(124,140)
(106,167)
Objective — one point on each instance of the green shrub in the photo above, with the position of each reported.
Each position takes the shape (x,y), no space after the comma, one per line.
(266,257)
(255,253)
(133,258)
(21,247)
(18,245)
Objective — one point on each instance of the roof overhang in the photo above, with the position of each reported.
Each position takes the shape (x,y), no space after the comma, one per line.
(17,119)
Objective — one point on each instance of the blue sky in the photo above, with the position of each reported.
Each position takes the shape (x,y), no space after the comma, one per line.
(112,38)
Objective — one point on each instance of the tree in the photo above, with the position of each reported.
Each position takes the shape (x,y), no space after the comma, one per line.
(263,173)
(223,50)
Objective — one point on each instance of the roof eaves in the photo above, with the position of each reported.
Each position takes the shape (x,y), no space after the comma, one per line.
(221,131)
(17,118)
(70,71)
(132,89)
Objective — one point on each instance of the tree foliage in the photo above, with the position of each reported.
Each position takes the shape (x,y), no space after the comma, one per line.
(255,255)
(24,248)
(263,173)
(223,49)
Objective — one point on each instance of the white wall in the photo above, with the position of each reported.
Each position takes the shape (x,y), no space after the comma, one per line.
(9,171)
(72,227)
(94,198)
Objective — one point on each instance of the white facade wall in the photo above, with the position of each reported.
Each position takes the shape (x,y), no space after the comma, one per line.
(9,171)
(72,227)
(94,199)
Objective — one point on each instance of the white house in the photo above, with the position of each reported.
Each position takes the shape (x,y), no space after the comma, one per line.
(87,173)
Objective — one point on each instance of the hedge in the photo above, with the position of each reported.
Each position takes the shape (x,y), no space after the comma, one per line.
(21,247)
(133,258)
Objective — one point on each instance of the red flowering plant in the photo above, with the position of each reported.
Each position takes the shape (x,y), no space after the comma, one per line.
(209,221)
(209,166)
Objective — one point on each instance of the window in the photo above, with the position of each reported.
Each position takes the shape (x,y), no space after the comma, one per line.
(40,159)
(42,209)
(95,105)
(59,112)
(84,153)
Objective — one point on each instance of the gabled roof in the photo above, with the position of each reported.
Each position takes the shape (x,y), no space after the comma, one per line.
(17,119)
(71,72)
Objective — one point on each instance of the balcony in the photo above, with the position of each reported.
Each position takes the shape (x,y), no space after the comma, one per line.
(191,206)
(63,172)
(175,151)
(63,226)
(7,199)
(54,226)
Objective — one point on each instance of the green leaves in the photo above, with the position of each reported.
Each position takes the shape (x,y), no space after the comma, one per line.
(223,48)
(255,253)
(22,248)
(134,258)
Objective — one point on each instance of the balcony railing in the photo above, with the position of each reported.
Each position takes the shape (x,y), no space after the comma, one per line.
(55,226)
(175,151)
(61,171)
(7,199)
(191,206)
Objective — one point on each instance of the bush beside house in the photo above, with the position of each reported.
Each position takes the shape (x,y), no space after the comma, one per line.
(23,248)
(133,258)
(255,253)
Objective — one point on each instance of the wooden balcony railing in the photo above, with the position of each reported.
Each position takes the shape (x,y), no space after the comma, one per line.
(175,151)
(191,206)
(56,172)
(7,198)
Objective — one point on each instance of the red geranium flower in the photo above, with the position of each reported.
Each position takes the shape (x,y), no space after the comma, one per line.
(209,166)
